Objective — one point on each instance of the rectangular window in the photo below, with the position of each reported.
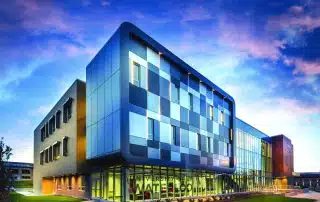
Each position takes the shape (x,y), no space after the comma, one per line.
(211,112)
(50,153)
(199,141)
(150,129)
(65,146)
(136,74)
(191,101)
(209,144)
(52,125)
(174,134)
(56,151)
(46,156)
(221,117)
(47,129)
(58,119)
(41,157)
(175,93)
(43,133)
(67,110)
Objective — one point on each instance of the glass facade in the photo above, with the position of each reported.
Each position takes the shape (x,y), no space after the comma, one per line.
(103,101)
(172,97)
(162,116)
(254,159)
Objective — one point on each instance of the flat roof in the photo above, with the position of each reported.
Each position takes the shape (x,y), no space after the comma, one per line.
(18,164)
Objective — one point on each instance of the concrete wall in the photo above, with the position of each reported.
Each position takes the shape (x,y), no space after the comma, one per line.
(65,165)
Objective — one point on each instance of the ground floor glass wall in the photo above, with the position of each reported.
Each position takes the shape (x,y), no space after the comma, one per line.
(138,183)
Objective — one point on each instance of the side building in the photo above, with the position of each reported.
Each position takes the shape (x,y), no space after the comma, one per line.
(59,146)
(19,171)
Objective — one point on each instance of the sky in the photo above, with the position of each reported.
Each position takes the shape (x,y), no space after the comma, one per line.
(266,54)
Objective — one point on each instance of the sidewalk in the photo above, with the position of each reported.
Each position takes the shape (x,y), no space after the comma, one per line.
(309,195)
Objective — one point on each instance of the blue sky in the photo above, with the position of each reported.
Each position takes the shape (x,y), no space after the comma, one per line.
(264,53)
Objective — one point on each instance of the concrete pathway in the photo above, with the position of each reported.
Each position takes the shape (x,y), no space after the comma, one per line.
(26,192)
(309,195)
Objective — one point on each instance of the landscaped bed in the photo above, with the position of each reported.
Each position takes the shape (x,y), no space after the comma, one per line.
(273,199)
(15,197)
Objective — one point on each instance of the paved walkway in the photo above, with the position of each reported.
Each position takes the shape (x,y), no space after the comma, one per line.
(309,195)
(26,192)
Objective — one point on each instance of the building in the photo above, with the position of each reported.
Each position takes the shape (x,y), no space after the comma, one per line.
(59,146)
(305,180)
(155,129)
(19,171)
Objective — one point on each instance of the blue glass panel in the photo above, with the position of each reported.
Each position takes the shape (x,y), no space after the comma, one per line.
(137,140)
(137,125)
(88,143)
(100,68)
(164,65)
(184,115)
(101,137)
(184,77)
(116,91)
(194,119)
(165,133)
(165,107)
(203,106)
(164,88)
(108,133)
(203,143)
(153,83)
(94,140)
(153,153)
(175,156)
(138,48)
(175,72)
(108,97)
(153,102)
(193,140)
(116,130)
(94,104)
(194,83)
(101,102)
(138,96)
(196,104)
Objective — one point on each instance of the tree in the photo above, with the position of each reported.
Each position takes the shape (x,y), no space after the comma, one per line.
(5,153)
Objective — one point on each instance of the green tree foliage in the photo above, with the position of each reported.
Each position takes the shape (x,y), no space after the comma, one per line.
(5,153)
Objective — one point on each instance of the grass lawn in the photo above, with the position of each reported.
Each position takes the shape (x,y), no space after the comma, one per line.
(23,184)
(15,197)
(274,199)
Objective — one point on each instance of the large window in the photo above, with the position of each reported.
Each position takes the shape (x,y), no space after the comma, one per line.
(150,129)
(67,110)
(136,74)
(56,151)
(174,135)
(191,101)
(58,119)
(211,112)
(65,146)
(43,133)
(175,93)
(41,157)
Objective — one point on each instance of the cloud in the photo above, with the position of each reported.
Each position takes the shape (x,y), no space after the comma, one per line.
(14,74)
(308,68)
(105,3)
(239,37)
(195,13)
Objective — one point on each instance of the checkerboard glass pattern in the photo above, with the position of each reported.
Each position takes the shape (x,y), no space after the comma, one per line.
(169,96)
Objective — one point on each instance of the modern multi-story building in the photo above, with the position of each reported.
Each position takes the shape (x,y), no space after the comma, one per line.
(155,129)
(19,171)
(59,146)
